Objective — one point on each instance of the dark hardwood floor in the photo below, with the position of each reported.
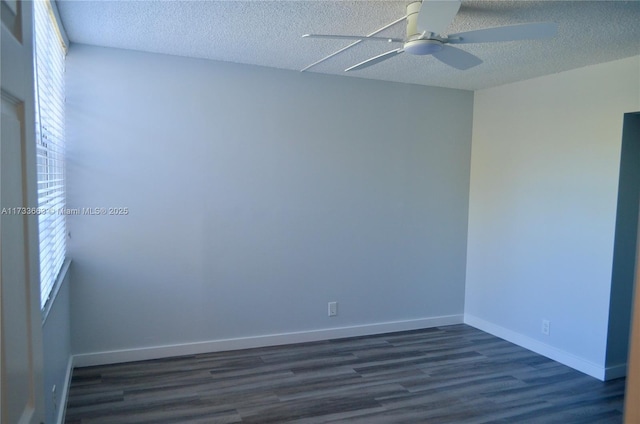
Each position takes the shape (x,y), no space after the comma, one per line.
(454,374)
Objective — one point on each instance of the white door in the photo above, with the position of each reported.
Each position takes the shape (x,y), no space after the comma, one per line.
(21,390)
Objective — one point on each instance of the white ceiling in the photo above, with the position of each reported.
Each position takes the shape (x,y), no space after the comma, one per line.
(268,33)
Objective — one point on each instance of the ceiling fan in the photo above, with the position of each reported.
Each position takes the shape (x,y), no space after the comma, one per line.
(427,21)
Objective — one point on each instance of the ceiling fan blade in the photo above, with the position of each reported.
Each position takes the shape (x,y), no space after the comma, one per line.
(532,31)
(374,60)
(353,37)
(436,15)
(457,58)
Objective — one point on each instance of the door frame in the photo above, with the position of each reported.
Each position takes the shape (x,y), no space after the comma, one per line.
(21,348)
(632,392)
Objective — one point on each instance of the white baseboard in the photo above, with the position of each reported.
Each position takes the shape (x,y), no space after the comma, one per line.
(544,349)
(615,371)
(155,352)
(64,393)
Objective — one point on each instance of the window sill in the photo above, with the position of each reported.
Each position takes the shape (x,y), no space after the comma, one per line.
(56,288)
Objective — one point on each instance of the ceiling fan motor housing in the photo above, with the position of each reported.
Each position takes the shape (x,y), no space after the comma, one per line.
(416,44)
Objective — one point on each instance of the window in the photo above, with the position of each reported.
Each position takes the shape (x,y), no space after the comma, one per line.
(49,52)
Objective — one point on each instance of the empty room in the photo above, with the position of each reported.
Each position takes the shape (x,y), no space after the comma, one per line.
(320,211)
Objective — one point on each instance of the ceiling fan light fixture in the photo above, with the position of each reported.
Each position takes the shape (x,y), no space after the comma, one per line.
(422,47)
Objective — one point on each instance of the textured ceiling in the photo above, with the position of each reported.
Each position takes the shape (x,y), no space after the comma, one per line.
(268,33)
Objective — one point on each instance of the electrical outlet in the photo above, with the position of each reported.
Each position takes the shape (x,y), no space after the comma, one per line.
(333,309)
(546,327)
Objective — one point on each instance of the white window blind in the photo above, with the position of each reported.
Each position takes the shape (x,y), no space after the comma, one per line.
(49,51)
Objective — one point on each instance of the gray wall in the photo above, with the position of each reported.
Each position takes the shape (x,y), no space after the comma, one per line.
(542,209)
(255,196)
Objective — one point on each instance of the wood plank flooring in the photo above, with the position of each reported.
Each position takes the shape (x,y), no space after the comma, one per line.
(453,374)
